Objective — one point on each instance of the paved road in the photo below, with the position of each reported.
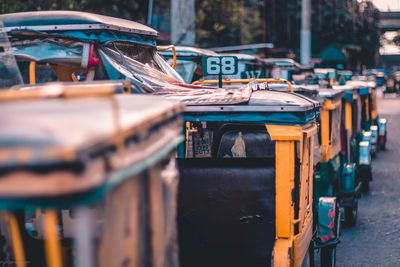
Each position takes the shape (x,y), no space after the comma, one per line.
(375,240)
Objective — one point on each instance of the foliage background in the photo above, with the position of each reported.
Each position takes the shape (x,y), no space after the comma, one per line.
(350,25)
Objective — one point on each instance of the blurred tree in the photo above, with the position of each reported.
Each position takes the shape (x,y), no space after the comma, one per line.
(128,9)
(350,25)
(227,22)
(217,23)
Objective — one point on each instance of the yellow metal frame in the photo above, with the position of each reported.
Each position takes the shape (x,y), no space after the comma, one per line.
(16,241)
(163,48)
(327,149)
(52,241)
(366,99)
(228,81)
(32,72)
(290,248)
(348,117)
(374,111)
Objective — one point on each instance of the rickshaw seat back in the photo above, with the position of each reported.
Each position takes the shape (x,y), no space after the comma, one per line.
(228,196)
(235,199)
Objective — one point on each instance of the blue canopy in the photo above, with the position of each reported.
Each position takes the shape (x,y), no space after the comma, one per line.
(85,26)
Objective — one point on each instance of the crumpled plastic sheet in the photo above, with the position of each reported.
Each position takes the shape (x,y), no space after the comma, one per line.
(202,96)
(151,80)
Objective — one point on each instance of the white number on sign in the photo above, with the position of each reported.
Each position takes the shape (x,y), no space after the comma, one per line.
(213,67)
(228,65)
(253,74)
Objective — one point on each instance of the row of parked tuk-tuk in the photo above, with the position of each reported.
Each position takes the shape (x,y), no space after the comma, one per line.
(110,156)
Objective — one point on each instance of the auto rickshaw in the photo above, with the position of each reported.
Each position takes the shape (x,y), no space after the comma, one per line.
(88,177)
(190,58)
(245,196)
(382,133)
(350,184)
(284,68)
(344,75)
(365,147)
(390,84)
(80,46)
(250,67)
(327,170)
(188,61)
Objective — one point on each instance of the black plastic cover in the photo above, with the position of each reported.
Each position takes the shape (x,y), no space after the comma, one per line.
(226,212)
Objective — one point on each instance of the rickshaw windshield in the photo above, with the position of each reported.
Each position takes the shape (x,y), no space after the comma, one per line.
(9,72)
(142,75)
(143,54)
(185,68)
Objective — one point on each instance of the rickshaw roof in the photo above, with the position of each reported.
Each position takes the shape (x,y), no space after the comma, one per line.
(345,72)
(242,57)
(361,86)
(329,94)
(347,90)
(264,100)
(189,52)
(283,62)
(43,124)
(308,90)
(56,21)
(343,87)
(264,106)
(324,70)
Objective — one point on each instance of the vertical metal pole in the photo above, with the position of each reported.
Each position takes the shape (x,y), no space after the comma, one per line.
(305,34)
(182,22)
(150,12)
(83,228)
(52,240)
(220,81)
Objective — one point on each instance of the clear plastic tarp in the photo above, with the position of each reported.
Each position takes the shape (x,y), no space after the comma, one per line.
(146,79)
(185,69)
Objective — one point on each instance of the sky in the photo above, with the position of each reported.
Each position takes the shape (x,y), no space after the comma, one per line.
(387,4)
(388,47)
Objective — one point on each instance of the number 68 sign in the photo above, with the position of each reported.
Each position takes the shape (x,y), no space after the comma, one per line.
(227,65)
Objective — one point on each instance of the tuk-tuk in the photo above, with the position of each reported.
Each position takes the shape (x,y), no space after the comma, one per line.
(81,46)
(344,75)
(88,178)
(284,68)
(390,84)
(382,133)
(250,67)
(245,192)
(367,142)
(350,183)
(328,171)
(327,74)
(189,64)
(188,61)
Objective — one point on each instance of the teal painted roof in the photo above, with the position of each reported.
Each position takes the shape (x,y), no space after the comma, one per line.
(71,20)
(86,27)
